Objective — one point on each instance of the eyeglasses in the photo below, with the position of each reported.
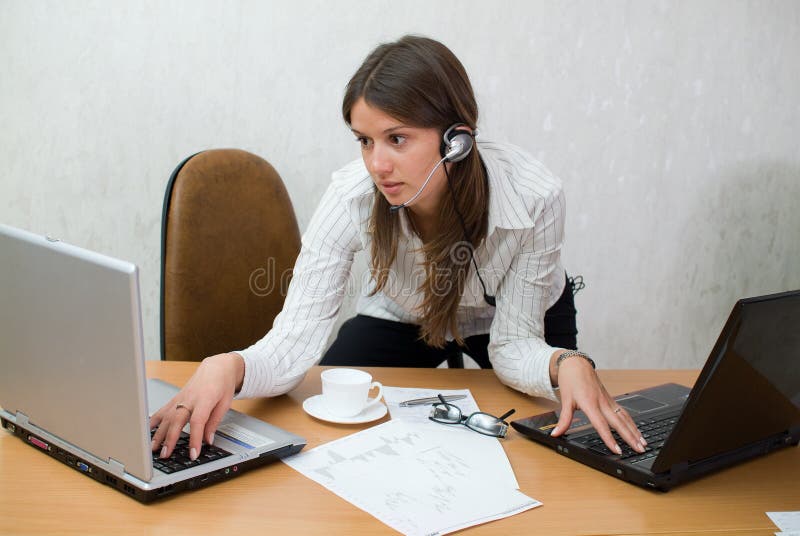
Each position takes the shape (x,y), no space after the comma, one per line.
(481,422)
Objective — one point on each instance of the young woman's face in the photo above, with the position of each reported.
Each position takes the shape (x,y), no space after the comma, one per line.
(399,157)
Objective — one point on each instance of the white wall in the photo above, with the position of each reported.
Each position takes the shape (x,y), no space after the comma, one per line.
(674,126)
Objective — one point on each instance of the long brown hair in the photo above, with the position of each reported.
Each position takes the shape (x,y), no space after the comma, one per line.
(420,82)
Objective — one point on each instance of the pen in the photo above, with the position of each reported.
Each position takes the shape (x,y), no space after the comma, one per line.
(430,400)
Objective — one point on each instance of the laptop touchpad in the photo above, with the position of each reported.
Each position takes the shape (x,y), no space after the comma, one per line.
(639,404)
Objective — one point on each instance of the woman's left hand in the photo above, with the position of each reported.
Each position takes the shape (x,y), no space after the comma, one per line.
(582,389)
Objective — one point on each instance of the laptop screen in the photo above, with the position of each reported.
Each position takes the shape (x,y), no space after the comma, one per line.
(71,347)
(749,387)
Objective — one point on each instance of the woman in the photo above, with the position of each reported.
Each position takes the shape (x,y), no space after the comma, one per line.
(465,246)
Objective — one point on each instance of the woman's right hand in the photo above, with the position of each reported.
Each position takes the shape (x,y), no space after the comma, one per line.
(202,403)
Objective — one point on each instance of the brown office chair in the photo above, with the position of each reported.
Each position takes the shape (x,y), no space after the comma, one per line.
(229,240)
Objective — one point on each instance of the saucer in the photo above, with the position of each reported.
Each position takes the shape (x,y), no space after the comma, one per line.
(315,407)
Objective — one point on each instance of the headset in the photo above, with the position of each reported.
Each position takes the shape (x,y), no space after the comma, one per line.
(456,145)
(457,142)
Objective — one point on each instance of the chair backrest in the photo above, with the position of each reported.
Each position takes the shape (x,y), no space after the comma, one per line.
(229,240)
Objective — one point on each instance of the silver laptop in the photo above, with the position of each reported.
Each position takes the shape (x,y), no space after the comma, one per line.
(72,375)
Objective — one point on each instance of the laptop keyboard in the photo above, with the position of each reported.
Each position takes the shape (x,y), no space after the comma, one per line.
(655,432)
(179,460)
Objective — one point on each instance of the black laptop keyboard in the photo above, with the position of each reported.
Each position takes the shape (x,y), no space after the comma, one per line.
(179,460)
(655,432)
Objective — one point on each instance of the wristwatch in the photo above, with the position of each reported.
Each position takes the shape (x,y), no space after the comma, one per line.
(573,353)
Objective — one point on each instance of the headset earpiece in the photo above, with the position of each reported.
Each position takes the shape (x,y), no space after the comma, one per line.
(456,143)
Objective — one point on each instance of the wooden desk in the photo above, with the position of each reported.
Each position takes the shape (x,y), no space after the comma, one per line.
(38,494)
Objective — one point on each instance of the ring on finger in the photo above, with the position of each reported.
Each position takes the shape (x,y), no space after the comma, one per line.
(615,411)
(187,408)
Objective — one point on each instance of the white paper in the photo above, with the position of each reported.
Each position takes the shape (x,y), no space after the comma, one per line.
(419,480)
(394,395)
(786,521)
(496,461)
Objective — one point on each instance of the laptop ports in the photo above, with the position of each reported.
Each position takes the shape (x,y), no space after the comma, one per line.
(38,442)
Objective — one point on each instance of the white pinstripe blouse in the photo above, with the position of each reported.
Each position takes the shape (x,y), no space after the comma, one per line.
(520,261)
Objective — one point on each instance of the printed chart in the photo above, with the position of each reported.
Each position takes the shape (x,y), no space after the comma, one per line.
(417,479)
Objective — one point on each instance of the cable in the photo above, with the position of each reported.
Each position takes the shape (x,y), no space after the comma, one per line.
(395,208)
(576,283)
(491,300)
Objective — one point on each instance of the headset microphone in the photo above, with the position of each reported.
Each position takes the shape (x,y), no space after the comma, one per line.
(456,145)
(395,208)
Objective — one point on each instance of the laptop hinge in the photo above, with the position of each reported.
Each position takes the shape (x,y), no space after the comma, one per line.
(116,468)
(21,419)
(679,468)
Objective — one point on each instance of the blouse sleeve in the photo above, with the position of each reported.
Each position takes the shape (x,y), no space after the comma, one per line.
(278,362)
(517,349)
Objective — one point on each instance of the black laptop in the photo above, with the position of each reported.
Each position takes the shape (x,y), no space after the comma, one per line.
(745,403)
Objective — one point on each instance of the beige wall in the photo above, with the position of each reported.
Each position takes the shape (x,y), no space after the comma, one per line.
(674,126)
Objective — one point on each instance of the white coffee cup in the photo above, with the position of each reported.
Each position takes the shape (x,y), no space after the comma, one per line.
(345,391)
